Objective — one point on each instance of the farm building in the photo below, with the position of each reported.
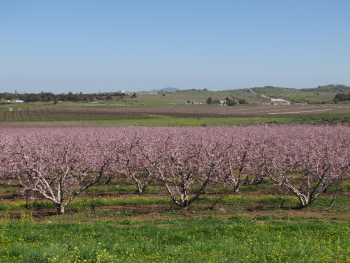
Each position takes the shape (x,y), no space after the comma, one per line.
(279,102)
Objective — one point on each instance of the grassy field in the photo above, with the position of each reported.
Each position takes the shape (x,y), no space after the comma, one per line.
(259,224)
(212,239)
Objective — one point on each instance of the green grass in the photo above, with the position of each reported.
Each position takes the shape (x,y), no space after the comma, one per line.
(154,121)
(319,118)
(293,94)
(211,239)
(316,99)
(190,121)
(250,188)
(147,200)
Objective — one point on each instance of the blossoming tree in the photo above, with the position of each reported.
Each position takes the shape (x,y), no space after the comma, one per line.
(57,165)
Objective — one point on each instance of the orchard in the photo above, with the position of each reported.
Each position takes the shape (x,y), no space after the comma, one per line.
(59,164)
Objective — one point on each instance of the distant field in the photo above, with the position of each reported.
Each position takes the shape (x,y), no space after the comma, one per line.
(296,95)
(257,95)
(48,114)
(184,108)
(262,111)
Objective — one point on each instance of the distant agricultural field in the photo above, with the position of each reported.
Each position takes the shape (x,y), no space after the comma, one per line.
(67,115)
(47,114)
(262,111)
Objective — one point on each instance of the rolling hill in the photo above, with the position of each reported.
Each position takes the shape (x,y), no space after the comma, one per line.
(313,95)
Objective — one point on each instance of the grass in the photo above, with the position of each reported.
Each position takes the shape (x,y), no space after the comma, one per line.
(160,121)
(293,94)
(149,228)
(150,200)
(210,239)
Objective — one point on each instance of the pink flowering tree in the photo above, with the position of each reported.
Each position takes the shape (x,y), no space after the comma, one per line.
(4,154)
(307,160)
(135,165)
(58,165)
(261,156)
(186,161)
(235,161)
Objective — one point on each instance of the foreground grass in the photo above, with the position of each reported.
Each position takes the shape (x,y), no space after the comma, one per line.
(213,239)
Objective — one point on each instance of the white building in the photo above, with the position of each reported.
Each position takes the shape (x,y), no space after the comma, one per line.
(279,101)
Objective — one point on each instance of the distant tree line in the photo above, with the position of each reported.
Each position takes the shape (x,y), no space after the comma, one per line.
(341,97)
(329,88)
(48,96)
(109,95)
(229,101)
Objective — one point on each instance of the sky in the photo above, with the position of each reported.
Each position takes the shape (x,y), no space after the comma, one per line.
(63,46)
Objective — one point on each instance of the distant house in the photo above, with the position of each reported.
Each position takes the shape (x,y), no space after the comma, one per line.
(279,102)
(18,101)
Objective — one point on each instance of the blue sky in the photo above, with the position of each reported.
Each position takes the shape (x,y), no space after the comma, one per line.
(92,46)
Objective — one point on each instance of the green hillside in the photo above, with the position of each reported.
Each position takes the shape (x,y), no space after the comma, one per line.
(257,95)
(332,88)
(321,94)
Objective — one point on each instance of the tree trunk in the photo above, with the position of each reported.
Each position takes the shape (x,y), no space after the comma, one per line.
(141,187)
(60,208)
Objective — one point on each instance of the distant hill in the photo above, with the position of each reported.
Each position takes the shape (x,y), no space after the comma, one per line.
(332,88)
(165,90)
(273,90)
(321,94)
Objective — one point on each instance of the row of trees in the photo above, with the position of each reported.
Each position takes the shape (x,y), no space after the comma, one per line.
(228,101)
(58,164)
(48,96)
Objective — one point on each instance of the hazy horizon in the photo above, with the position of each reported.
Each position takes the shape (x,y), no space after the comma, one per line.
(105,46)
(111,91)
